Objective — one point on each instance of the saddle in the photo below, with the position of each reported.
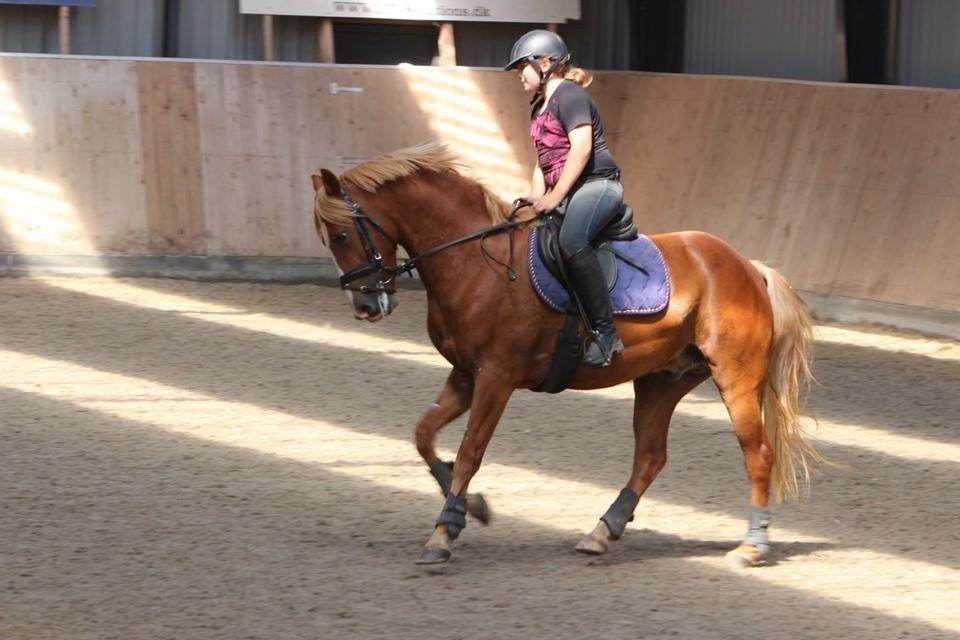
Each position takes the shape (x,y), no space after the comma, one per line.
(621,227)
(634,273)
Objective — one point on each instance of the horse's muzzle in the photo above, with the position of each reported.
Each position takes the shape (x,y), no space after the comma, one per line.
(373,306)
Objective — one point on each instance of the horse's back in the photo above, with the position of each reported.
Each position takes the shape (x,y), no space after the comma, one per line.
(697,243)
(708,279)
(715,281)
(697,259)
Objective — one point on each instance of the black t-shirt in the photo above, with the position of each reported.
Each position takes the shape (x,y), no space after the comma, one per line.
(570,106)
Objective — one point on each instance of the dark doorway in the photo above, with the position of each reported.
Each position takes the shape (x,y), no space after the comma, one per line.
(658,28)
(868,24)
(376,43)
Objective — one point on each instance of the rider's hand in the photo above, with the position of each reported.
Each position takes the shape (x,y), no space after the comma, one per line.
(546,203)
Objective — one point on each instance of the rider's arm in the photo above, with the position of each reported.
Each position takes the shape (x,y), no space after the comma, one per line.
(537,185)
(581,146)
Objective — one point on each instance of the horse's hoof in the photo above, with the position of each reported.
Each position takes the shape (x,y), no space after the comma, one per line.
(433,555)
(596,542)
(590,546)
(477,507)
(744,557)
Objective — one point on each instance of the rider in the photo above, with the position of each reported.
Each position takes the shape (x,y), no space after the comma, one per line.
(575,173)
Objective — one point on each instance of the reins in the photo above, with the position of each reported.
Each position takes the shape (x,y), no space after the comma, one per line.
(376,265)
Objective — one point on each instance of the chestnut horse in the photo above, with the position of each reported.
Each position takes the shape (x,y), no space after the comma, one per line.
(735,321)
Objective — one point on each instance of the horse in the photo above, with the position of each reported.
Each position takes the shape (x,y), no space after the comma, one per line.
(729,319)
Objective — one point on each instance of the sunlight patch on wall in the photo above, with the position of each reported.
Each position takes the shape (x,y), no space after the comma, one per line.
(460,114)
(11,114)
(35,214)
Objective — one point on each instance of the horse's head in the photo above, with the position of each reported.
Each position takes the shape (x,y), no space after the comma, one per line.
(363,248)
(359,217)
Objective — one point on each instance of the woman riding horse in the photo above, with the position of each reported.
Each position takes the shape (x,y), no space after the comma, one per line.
(575,173)
(727,319)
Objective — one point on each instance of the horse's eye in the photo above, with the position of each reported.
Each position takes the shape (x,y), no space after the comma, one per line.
(340,238)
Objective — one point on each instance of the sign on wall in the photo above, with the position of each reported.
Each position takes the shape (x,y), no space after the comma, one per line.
(445,10)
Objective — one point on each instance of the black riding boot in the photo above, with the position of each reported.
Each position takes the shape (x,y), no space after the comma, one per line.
(587,279)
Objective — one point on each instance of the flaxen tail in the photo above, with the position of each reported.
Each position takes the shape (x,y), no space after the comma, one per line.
(788,384)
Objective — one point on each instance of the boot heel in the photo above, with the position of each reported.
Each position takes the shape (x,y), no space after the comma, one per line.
(601,350)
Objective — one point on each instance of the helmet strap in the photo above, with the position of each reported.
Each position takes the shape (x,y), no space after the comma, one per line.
(539,93)
(545,76)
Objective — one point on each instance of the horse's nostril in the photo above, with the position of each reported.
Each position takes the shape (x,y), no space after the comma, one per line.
(368,309)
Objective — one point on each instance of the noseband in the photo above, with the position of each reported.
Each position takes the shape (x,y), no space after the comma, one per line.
(375,263)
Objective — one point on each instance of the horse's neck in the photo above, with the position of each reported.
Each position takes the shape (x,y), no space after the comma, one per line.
(434,212)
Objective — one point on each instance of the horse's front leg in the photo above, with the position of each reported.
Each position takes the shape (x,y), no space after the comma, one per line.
(490,398)
(453,400)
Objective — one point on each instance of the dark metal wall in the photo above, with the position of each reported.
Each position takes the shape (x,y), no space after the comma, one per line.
(487,44)
(111,28)
(216,29)
(929,43)
(601,39)
(776,38)
(28,29)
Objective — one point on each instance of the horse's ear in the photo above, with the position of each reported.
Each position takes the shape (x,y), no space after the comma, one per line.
(327,181)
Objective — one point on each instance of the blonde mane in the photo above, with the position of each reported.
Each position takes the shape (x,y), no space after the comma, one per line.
(432,156)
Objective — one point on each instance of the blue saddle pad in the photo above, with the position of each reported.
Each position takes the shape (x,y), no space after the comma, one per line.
(634,293)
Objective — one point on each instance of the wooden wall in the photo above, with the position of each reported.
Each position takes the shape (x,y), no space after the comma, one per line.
(848,190)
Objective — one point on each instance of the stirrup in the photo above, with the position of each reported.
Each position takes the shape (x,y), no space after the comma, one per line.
(607,351)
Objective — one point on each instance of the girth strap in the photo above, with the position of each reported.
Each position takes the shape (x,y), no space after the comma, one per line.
(568,353)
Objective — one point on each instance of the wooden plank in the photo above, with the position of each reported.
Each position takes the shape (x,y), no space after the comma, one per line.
(936,267)
(171,157)
(256,145)
(73,183)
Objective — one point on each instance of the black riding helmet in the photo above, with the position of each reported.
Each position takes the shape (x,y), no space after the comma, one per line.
(538,43)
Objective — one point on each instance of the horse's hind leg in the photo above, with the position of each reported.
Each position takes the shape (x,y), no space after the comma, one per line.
(741,387)
(656,397)
(453,401)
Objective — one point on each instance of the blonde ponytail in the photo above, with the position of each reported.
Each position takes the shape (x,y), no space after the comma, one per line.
(578,75)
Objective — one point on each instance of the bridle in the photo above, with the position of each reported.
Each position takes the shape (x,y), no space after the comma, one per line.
(375,263)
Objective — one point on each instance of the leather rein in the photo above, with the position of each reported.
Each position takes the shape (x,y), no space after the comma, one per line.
(375,262)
